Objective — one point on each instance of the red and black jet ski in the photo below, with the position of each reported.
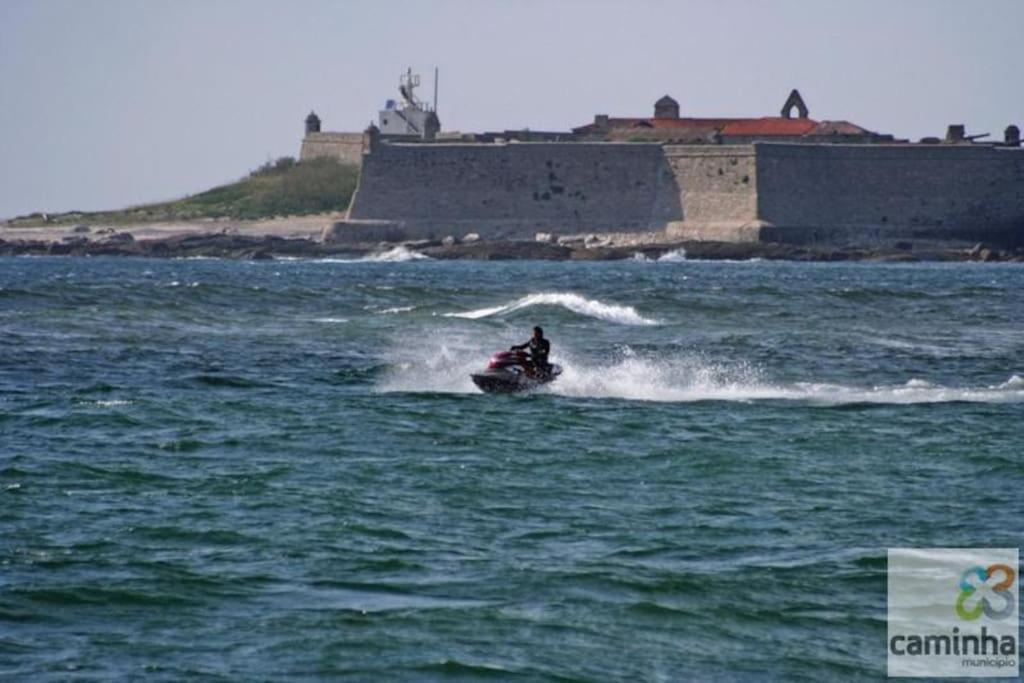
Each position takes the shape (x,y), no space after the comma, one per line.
(512,371)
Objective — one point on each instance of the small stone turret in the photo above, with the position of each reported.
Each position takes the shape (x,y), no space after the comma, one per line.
(312,123)
(1012,136)
(371,139)
(666,108)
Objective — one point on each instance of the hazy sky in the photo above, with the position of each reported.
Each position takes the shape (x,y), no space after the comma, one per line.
(105,103)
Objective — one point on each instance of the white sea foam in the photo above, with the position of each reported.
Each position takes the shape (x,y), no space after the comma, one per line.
(397,254)
(441,362)
(692,379)
(674,256)
(397,309)
(1016,382)
(329,320)
(444,365)
(614,313)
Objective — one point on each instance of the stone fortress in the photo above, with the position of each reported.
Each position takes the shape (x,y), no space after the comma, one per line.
(786,178)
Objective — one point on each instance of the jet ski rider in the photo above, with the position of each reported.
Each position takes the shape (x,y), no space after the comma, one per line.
(539,349)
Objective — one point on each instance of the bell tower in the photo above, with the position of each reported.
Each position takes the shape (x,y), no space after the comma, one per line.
(794,101)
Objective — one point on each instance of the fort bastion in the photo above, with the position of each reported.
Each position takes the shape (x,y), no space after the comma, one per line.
(786,178)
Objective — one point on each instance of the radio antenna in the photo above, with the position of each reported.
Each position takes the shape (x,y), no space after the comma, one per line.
(435,88)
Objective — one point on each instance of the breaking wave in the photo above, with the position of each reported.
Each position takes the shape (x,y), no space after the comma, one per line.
(623,315)
(674,256)
(396,309)
(397,254)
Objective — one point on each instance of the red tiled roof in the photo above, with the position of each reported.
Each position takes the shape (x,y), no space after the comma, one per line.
(770,126)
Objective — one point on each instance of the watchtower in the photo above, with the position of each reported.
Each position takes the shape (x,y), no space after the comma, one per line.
(666,108)
(312,123)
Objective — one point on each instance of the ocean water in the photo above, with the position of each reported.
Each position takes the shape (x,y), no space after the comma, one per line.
(222,470)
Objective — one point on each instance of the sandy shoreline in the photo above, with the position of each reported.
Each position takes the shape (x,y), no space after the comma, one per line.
(294,227)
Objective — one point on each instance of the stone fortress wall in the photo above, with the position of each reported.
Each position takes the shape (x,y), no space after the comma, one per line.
(717,192)
(517,189)
(772,178)
(864,193)
(802,193)
(347,148)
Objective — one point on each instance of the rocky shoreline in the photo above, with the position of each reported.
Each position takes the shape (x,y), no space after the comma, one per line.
(268,247)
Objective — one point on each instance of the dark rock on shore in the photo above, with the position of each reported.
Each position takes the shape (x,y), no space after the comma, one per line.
(233,245)
(500,251)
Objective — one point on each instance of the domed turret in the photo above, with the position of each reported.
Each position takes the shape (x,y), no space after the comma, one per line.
(666,108)
(312,123)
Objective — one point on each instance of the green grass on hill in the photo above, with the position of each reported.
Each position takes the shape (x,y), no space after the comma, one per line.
(281,188)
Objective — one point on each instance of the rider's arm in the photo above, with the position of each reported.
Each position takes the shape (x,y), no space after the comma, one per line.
(519,347)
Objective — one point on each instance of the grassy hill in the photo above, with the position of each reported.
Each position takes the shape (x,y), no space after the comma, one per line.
(281,188)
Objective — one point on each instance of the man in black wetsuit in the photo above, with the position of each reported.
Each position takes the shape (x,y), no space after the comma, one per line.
(539,350)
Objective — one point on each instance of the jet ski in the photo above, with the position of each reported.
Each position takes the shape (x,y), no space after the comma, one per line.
(510,372)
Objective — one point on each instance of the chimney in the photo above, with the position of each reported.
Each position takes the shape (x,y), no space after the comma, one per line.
(955,132)
(1012,136)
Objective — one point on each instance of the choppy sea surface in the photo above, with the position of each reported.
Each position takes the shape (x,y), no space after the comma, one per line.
(222,470)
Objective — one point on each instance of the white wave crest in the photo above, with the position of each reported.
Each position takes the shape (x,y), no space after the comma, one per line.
(623,315)
(674,256)
(397,254)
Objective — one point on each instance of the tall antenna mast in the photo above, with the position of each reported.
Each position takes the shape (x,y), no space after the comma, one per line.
(406,85)
(435,88)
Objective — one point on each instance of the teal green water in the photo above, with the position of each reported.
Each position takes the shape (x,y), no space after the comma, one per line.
(218,470)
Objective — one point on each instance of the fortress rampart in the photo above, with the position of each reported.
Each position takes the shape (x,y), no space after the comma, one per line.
(802,193)
(347,148)
(515,190)
(858,193)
